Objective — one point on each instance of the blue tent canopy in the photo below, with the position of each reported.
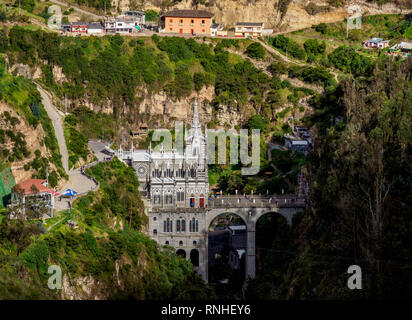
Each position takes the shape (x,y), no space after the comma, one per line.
(69,192)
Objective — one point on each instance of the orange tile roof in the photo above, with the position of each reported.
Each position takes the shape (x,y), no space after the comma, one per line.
(27,184)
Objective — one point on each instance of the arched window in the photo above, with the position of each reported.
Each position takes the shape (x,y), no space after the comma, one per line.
(180,243)
(183,226)
(156,199)
(155,231)
(194,242)
(177,225)
(180,196)
(154,218)
(164,226)
(168,225)
(193,225)
(167,242)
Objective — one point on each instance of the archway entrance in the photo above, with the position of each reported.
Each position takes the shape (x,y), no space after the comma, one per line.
(194,257)
(181,253)
(227,243)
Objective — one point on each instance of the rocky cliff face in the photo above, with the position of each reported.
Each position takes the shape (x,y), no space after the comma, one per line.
(34,141)
(281,15)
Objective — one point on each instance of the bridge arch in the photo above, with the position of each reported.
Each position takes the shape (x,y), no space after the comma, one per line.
(182,253)
(273,234)
(224,244)
(250,216)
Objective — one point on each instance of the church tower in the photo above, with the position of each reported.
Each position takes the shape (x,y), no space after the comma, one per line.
(195,139)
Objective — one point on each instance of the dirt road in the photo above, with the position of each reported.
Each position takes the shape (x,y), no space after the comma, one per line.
(57,121)
(64,4)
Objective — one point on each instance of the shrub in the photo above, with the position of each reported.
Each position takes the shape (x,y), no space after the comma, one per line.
(256,51)
(321,28)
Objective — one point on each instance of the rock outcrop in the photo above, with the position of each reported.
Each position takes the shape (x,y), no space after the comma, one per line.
(34,140)
(281,15)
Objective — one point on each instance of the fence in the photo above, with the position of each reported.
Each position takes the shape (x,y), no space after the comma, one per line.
(83,172)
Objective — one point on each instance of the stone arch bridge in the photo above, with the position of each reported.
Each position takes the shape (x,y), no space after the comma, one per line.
(194,242)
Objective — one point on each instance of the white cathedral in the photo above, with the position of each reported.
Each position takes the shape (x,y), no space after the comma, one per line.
(175,187)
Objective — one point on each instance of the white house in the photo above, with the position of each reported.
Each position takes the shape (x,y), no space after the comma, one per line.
(249,29)
(214,28)
(95,27)
(376,43)
(121,24)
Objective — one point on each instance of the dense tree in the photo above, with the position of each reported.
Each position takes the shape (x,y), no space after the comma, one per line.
(314,46)
(255,51)
(360,193)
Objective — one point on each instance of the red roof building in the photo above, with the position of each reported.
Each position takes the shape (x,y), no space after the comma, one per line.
(40,184)
(26,189)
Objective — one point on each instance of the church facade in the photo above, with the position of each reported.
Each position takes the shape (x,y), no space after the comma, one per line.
(175,186)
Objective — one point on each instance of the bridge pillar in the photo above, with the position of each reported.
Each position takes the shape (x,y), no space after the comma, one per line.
(250,254)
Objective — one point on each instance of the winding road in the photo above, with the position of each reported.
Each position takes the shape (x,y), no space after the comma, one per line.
(77,181)
(56,117)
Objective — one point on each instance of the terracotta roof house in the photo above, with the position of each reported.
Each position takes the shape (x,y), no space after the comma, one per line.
(193,22)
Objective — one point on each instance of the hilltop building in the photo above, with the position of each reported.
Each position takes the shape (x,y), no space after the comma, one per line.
(401,48)
(192,22)
(249,29)
(79,27)
(376,43)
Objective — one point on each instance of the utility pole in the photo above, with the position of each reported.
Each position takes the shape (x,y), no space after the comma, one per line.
(347,28)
